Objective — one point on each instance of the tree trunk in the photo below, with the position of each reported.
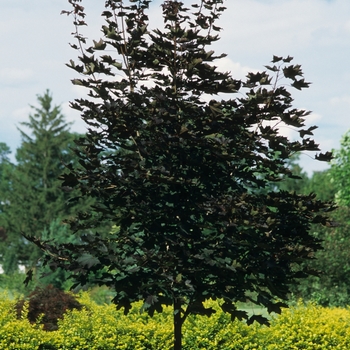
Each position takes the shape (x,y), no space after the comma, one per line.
(177,325)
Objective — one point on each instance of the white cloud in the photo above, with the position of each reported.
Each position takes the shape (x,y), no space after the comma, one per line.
(313,118)
(341,100)
(347,26)
(9,76)
(21,114)
(237,70)
(281,27)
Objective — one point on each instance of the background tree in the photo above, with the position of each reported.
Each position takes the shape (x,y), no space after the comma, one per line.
(299,183)
(5,168)
(340,171)
(322,184)
(333,285)
(34,196)
(182,177)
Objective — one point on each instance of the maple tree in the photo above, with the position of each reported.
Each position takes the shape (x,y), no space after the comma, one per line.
(180,177)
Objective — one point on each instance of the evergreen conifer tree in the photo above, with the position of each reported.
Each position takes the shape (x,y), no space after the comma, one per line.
(5,168)
(34,196)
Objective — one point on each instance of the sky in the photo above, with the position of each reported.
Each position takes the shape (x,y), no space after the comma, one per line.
(35,39)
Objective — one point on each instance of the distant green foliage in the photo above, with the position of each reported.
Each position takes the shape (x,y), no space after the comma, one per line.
(13,284)
(299,182)
(101,295)
(332,287)
(5,168)
(322,184)
(32,200)
(34,197)
(340,171)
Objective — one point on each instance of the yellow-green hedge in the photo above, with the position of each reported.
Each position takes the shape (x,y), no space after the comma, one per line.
(99,327)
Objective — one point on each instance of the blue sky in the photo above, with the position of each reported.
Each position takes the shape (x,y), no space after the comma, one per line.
(34,39)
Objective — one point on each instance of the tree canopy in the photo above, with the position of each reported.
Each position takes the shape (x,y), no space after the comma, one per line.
(179,169)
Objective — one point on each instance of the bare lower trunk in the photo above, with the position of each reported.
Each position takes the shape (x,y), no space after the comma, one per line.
(177,325)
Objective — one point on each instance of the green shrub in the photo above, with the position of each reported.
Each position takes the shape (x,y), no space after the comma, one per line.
(18,334)
(309,327)
(101,327)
